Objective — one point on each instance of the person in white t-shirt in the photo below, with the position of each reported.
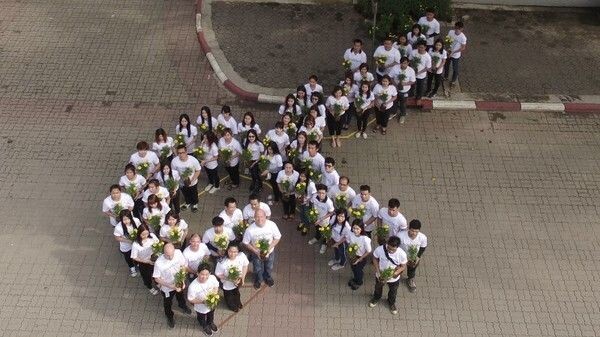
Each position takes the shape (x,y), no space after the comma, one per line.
(232,166)
(254,204)
(302,98)
(319,121)
(133,184)
(313,85)
(389,56)
(116,202)
(349,89)
(256,149)
(429,26)
(155,188)
(210,161)
(248,123)
(403,46)
(363,75)
(165,268)
(330,175)
(188,168)
(217,232)
(145,161)
(169,179)
(174,230)
(317,99)
(438,60)
(309,127)
(270,173)
(415,35)
(305,189)
(415,242)
(458,44)
(312,153)
(187,130)
(337,104)
(195,253)
(291,106)
(141,252)
(163,145)
(232,271)
(231,214)
(364,101)
(365,200)
(389,262)
(355,55)
(358,258)
(226,120)
(385,95)
(340,232)
(289,127)
(404,77)
(262,231)
(198,291)
(286,180)
(279,137)
(342,188)
(421,63)
(325,210)
(125,233)
(154,215)
(206,122)
(391,218)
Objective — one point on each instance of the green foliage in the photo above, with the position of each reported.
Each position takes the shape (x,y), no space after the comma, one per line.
(396,17)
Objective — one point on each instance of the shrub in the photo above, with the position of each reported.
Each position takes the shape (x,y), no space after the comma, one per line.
(397,16)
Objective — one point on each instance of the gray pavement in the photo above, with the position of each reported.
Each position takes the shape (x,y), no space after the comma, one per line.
(509,201)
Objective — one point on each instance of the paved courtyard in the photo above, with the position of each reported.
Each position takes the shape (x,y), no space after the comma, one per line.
(509,201)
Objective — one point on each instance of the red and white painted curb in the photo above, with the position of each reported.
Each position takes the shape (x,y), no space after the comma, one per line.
(568,107)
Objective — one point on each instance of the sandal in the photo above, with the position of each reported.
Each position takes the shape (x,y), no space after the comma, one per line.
(383,132)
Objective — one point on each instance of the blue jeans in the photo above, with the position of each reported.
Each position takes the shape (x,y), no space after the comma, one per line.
(262,268)
(358,272)
(339,253)
(303,217)
(455,68)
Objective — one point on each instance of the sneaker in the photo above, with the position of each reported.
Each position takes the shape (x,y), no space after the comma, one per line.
(207,330)
(270,282)
(213,327)
(412,286)
(270,202)
(323,249)
(312,241)
(402,119)
(208,187)
(357,135)
(194,208)
(393,309)
(213,190)
(184,206)
(186,310)
(337,266)
(332,262)
(246,171)
(171,322)
(364,134)
(153,291)
(133,272)
(373,303)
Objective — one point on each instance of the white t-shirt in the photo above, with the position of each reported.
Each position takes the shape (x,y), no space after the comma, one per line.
(138,181)
(330,179)
(240,262)
(442,56)
(311,191)
(166,269)
(356,59)
(275,164)
(371,210)
(309,90)
(392,56)
(424,63)
(194,258)
(228,123)
(315,130)
(234,219)
(143,251)
(180,166)
(157,148)
(162,194)
(323,207)
(433,26)
(318,161)
(398,257)
(405,241)
(457,42)
(209,237)
(256,148)
(367,99)
(198,290)
(235,147)
(342,102)
(248,211)
(349,90)
(210,153)
(147,213)
(190,139)
(109,204)
(150,158)
(268,231)
(213,121)
(282,140)
(363,242)
(292,178)
(403,50)
(397,223)
(413,39)
(334,191)
(409,76)
(164,229)
(294,111)
(339,232)
(391,93)
(243,128)
(358,77)
(174,176)
(118,231)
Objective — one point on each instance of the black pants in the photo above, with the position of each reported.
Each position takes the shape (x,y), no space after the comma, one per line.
(175,204)
(256,181)
(393,289)
(138,208)
(348,115)
(382,117)
(168,302)
(358,273)
(190,194)
(146,271)
(419,88)
(289,204)
(232,298)
(213,176)
(127,257)
(402,103)
(206,319)
(334,124)
(234,174)
(411,271)
(438,82)
(275,185)
(363,119)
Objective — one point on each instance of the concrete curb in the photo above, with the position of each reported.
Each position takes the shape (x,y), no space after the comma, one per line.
(255,93)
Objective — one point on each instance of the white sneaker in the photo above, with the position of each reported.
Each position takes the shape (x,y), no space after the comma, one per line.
(153,291)
(268,176)
(323,249)
(337,266)
(357,135)
(208,187)
(246,171)
(312,241)
(332,262)
(364,135)
(402,119)
(133,272)
(213,190)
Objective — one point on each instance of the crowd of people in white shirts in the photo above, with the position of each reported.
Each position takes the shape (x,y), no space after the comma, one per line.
(161,180)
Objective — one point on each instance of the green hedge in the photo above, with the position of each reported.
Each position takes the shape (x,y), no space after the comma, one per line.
(397,16)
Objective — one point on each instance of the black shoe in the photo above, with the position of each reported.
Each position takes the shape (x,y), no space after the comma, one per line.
(207,331)
(351,283)
(235,309)
(213,327)
(241,306)
(194,208)
(270,282)
(186,310)
(171,322)
(256,285)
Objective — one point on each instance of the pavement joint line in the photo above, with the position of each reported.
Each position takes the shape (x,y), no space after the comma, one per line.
(248,301)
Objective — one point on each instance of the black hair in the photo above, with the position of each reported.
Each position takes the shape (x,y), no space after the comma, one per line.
(414,224)
(229,201)
(393,203)
(188,126)
(217,221)
(393,241)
